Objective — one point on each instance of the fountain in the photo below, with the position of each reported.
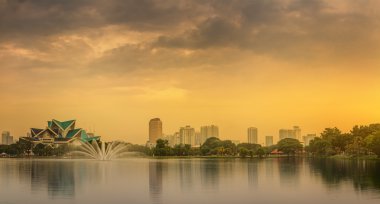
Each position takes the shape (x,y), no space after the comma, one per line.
(101,152)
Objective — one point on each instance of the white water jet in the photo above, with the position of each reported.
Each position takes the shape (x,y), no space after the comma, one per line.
(112,151)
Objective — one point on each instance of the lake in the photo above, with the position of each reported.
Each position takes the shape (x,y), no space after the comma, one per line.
(193,181)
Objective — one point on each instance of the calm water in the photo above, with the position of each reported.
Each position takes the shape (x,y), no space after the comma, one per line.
(192,181)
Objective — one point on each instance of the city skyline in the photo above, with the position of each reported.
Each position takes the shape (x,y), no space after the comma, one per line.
(271,64)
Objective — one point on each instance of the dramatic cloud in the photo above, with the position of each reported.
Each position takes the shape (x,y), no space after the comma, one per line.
(189,61)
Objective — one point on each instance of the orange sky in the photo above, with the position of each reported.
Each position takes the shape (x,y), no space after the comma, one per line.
(238,63)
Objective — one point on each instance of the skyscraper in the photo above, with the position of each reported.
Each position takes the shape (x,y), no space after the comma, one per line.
(268,141)
(209,131)
(187,135)
(252,135)
(155,130)
(197,139)
(297,132)
(308,138)
(6,138)
(294,133)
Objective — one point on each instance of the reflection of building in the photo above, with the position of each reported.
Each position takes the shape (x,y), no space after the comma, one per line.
(209,131)
(268,141)
(155,130)
(253,174)
(308,138)
(294,133)
(187,135)
(58,176)
(252,135)
(58,132)
(6,138)
(155,180)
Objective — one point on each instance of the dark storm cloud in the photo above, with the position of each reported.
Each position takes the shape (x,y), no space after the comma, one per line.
(44,17)
(292,29)
(283,28)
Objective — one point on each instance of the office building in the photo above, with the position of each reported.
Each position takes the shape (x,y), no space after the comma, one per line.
(6,138)
(252,135)
(197,139)
(307,138)
(294,133)
(187,135)
(209,131)
(268,141)
(155,130)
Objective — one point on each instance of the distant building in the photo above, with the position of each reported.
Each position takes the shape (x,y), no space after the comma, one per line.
(155,130)
(59,132)
(307,138)
(268,141)
(208,131)
(197,139)
(294,133)
(6,138)
(297,133)
(187,135)
(252,135)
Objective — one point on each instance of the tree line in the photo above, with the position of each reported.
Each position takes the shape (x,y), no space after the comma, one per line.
(360,141)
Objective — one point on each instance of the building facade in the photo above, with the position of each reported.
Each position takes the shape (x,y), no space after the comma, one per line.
(252,135)
(268,141)
(155,130)
(58,132)
(294,133)
(208,131)
(6,138)
(187,135)
(307,138)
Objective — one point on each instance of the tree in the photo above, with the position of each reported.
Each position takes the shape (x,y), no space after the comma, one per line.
(320,147)
(25,146)
(373,143)
(330,133)
(260,152)
(289,146)
(38,149)
(162,148)
(243,152)
(340,142)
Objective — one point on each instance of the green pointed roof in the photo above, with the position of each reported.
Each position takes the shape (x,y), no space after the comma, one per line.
(64,125)
(72,133)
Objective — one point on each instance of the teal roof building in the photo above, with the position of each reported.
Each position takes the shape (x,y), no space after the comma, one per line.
(60,132)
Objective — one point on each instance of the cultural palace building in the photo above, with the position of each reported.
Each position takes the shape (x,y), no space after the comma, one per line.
(58,132)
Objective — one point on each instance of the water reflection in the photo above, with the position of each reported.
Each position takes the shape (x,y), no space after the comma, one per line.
(364,175)
(289,171)
(56,177)
(155,180)
(190,181)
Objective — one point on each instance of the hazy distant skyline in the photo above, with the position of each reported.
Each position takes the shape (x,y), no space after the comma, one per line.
(114,65)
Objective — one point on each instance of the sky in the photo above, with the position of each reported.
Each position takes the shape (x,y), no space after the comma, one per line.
(113,65)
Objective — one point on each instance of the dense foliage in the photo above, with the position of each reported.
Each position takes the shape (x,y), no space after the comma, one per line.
(361,140)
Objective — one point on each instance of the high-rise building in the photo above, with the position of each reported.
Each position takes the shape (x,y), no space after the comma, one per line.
(297,132)
(294,133)
(6,138)
(197,139)
(155,130)
(268,141)
(209,131)
(252,135)
(308,138)
(187,135)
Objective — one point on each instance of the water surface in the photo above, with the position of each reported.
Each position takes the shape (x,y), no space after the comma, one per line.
(175,181)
